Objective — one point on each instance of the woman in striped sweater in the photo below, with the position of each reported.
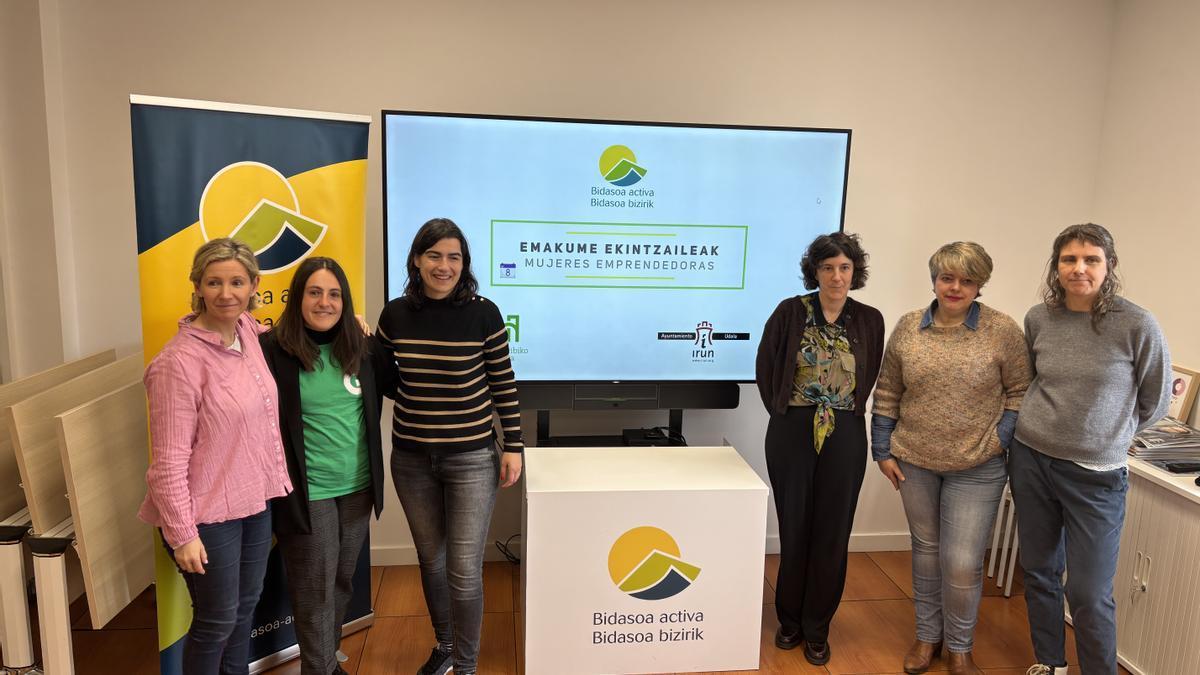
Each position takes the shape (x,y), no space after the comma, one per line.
(451,348)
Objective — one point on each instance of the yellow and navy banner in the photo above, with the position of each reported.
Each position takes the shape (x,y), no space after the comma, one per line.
(289,183)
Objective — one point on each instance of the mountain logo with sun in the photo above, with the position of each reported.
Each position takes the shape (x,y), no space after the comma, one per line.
(254,203)
(644,562)
(619,166)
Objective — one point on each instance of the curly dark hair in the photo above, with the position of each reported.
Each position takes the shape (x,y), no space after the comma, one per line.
(1054,295)
(831,246)
(427,237)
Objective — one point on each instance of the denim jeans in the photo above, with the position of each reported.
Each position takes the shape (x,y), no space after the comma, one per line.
(224,597)
(1068,513)
(950,515)
(448,500)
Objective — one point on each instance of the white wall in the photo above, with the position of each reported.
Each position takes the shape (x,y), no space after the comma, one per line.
(1148,185)
(6,374)
(972,120)
(28,264)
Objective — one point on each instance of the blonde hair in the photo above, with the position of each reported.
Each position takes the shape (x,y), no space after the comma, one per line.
(964,258)
(220,250)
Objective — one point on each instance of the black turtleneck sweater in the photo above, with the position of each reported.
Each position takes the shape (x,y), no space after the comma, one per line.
(321,337)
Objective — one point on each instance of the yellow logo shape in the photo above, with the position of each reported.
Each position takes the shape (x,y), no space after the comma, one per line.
(256,204)
(619,166)
(644,562)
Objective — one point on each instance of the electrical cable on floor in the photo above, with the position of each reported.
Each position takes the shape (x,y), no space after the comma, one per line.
(672,436)
(506,550)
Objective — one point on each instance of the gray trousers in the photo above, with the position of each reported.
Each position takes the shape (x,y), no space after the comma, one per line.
(320,568)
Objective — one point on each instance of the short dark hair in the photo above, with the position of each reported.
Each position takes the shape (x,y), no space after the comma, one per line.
(831,246)
(426,238)
(349,344)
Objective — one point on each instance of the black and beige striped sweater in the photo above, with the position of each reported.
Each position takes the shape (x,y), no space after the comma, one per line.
(454,373)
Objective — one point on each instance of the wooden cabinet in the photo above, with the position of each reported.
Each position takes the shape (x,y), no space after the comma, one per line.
(1157,587)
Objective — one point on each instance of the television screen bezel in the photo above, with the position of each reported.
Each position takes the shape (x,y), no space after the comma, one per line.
(385,113)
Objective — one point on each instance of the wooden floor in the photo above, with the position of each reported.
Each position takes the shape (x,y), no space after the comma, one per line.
(870,634)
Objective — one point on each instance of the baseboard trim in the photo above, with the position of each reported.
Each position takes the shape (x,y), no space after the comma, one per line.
(382,556)
(863,543)
(859,543)
(880,541)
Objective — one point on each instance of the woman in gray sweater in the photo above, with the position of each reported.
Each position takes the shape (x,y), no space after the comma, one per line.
(1101,372)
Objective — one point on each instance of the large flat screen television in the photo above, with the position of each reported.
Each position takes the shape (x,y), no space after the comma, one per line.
(619,252)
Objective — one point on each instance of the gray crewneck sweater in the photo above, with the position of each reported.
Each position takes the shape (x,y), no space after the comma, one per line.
(1092,391)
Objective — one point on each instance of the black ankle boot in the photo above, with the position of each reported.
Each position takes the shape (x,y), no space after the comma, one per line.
(817,653)
(785,639)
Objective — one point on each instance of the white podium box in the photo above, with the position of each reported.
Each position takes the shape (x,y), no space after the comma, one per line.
(642,560)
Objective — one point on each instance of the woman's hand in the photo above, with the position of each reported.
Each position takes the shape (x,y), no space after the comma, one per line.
(510,468)
(891,470)
(191,557)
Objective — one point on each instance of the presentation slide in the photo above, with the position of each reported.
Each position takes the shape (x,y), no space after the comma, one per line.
(619,251)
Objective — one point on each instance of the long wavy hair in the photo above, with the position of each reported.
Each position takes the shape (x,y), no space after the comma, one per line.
(1055,296)
(426,238)
(349,344)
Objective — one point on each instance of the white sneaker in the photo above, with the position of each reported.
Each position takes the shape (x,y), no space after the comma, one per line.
(1039,669)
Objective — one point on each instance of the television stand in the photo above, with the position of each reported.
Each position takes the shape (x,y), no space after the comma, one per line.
(672,434)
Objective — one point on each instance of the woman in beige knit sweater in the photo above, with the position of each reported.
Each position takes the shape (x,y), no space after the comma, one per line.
(945,409)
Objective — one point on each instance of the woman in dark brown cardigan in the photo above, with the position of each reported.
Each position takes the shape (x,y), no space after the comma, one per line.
(816,366)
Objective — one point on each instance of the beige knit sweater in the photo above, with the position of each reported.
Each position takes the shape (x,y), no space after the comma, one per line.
(947,388)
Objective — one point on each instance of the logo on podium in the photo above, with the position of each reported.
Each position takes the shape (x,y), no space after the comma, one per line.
(644,562)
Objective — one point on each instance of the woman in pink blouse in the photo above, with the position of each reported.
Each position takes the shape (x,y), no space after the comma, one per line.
(217,456)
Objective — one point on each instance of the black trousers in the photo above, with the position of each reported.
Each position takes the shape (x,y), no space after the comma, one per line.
(815,498)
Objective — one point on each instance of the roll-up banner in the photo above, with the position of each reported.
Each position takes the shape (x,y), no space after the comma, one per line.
(290,184)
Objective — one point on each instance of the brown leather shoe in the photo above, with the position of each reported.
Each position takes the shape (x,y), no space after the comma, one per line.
(961,663)
(920,656)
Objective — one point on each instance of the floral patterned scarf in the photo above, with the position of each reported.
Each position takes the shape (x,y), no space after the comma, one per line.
(824,371)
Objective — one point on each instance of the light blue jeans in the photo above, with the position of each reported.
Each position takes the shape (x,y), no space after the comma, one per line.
(448,500)
(950,515)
